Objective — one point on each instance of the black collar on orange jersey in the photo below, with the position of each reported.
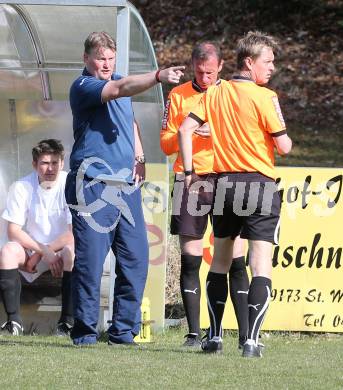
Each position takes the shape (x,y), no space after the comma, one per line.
(197,87)
(237,77)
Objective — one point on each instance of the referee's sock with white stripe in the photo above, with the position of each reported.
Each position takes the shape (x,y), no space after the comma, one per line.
(258,302)
(10,289)
(239,288)
(190,291)
(217,292)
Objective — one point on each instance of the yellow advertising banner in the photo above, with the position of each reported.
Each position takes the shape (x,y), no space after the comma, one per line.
(307,281)
(155,205)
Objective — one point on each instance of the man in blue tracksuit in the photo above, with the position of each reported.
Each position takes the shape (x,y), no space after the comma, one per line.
(104,201)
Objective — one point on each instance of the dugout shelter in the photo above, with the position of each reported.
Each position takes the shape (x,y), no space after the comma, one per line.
(41,51)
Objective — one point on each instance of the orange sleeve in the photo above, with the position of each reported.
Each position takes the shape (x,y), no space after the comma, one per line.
(272,114)
(170,125)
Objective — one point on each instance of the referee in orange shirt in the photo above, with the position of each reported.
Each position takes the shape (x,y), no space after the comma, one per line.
(246,124)
(207,63)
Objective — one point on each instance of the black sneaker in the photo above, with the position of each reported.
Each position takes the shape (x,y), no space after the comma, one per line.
(251,351)
(63,329)
(192,341)
(213,345)
(13,328)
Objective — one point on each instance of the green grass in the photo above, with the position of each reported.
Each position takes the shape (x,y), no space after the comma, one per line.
(291,361)
(314,148)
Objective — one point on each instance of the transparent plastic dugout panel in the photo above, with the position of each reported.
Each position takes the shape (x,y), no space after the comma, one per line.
(148,106)
(62,30)
(41,53)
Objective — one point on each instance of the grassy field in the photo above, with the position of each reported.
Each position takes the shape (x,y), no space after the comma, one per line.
(316,148)
(291,361)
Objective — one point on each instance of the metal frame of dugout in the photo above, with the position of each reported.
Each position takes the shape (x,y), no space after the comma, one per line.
(41,50)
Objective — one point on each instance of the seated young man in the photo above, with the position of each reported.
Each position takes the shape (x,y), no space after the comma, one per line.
(39,233)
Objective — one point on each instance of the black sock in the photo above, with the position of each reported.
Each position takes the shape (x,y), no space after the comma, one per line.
(10,289)
(258,301)
(239,288)
(190,290)
(217,291)
(67,303)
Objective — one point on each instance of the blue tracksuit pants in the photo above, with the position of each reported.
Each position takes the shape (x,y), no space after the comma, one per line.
(93,240)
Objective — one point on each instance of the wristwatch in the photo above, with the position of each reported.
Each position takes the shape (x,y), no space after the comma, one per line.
(188,173)
(140,159)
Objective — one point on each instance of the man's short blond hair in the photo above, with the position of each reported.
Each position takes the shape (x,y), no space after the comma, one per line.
(97,40)
(252,44)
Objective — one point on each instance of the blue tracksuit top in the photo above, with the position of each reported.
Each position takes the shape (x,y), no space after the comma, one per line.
(103,132)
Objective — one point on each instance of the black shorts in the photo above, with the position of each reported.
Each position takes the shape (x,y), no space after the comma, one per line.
(246,204)
(191,207)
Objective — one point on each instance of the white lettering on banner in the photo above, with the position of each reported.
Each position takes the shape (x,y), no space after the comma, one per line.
(307,290)
(323,197)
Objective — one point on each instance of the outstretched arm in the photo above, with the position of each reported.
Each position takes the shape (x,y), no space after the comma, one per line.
(132,85)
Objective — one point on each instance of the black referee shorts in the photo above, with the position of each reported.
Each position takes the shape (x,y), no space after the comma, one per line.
(191,207)
(246,204)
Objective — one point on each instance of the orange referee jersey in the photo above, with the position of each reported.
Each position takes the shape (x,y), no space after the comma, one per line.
(244,118)
(179,104)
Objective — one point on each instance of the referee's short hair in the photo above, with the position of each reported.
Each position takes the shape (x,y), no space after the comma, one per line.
(252,44)
(48,146)
(202,51)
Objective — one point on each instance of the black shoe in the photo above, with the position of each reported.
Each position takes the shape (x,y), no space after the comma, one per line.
(213,345)
(192,341)
(128,344)
(63,329)
(13,328)
(252,351)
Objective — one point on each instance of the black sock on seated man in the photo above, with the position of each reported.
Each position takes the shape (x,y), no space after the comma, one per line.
(67,303)
(10,289)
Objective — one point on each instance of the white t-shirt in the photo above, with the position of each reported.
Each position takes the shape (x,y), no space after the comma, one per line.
(43,214)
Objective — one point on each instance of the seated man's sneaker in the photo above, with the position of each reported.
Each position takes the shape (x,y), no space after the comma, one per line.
(252,351)
(192,341)
(213,345)
(12,328)
(63,329)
